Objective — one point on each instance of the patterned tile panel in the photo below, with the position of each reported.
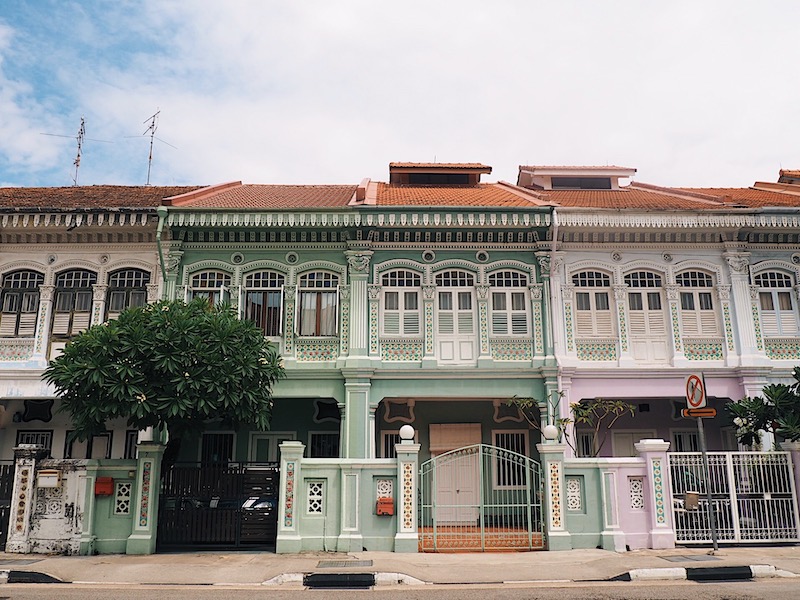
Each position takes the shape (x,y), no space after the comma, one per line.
(399,351)
(555,494)
(726,317)
(511,350)
(703,350)
(288,519)
(658,490)
(597,350)
(317,350)
(783,349)
(16,349)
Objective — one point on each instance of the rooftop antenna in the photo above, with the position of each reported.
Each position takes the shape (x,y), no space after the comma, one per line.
(80,139)
(151,127)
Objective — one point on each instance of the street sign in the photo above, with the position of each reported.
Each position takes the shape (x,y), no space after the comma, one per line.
(704,413)
(695,391)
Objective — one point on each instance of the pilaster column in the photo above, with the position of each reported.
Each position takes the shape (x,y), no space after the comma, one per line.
(374,295)
(407,537)
(98,303)
(568,302)
(724,297)
(22,497)
(358,271)
(484,351)
(746,312)
(659,498)
(172,264)
(552,455)
(556,316)
(612,537)
(350,537)
(148,486)
(289,539)
(428,299)
(620,297)
(544,260)
(673,300)
(538,310)
(42,336)
(356,423)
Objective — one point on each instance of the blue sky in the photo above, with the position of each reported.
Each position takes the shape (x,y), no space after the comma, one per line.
(319,91)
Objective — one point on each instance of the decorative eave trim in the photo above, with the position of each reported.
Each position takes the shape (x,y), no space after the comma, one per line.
(408,218)
(664,220)
(77,219)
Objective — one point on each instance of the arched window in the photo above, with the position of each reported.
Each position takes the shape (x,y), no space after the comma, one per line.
(778,304)
(593,317)
(509,303)
(456,317)
(211,285)
(697,304)
(401,305)
(647,323)
(126,288)
(318,295)
(20,303)
(72,311)
(263,300)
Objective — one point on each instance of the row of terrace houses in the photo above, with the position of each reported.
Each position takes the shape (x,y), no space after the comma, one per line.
(429,300)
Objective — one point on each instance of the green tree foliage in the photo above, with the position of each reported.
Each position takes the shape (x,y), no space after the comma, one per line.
(598,414)
(777,410)
(168,364)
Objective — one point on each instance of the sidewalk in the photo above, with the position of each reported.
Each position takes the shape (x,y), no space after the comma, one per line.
(261,568)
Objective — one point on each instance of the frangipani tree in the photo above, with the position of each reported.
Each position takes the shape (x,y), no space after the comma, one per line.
(168,365)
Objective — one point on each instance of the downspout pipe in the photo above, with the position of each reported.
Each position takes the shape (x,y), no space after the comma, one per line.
(161,211)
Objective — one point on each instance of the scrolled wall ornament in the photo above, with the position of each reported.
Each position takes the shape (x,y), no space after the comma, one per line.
(359,262)
(374,291)
(738,264)
(544,263)
(429,292)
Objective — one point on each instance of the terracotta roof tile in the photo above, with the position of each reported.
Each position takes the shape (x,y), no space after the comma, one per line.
(751,197)
(485,194)
(270,197)
(87,197)
(790,172)
(577,167)
(631,197)
(413,165)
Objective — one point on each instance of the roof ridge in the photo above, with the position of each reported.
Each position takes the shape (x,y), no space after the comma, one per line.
(792,189)
(679,192)
(526,194)
(195,195)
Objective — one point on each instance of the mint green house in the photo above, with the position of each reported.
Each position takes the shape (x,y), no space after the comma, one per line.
(422,301)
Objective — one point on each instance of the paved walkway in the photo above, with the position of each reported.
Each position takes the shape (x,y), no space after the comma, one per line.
(261,568)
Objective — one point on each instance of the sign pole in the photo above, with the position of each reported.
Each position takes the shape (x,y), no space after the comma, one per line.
(712,517)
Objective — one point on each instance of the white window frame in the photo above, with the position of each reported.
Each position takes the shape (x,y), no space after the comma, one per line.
(128,284)
(316,285)
(273,286)
(525,435)
(593,320)
(776,287)
(508,321)
(72,303)
(401,321)
(697,289)
(20,303)
(211,284)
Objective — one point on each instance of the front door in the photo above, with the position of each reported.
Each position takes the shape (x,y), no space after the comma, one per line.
(457,494)
(265,447)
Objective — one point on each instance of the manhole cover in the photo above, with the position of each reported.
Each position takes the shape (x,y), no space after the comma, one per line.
(343,563)
(691,558)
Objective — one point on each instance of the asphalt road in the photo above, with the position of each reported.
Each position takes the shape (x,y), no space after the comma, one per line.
(786,589)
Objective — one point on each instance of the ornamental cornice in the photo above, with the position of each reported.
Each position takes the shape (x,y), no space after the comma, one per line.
(203,265)
(700,265)
(265,246)
(399,263)
(77,219)
(597,265)
(27,265)
(517,265)
(438,219)
(646,265)
(82,247)
(263,265)
(677,221)
(770,265)
(131,263)
(457,264)
(325,265)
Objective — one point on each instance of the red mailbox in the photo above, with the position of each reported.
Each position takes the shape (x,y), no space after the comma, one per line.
(384,506)
(103,486)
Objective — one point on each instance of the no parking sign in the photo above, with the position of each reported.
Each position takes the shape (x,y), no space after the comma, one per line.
(695,391)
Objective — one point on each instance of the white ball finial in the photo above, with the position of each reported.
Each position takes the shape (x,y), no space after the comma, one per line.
(406,432)
(550,432)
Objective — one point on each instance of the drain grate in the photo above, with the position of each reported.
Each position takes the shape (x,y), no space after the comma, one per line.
(690,558)
(339,564)
(351,581)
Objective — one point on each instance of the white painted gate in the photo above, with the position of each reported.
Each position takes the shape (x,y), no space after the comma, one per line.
(753,495)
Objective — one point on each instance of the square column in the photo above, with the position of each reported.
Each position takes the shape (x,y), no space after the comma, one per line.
(289,539)
(558,538)
(22,497)
(148,488)
(407,537)
(659,498)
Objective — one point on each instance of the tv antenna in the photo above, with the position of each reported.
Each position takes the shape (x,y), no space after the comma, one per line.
(80,138)
(152,125)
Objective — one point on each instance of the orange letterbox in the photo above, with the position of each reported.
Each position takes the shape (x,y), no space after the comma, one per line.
(103,486)
(384,506)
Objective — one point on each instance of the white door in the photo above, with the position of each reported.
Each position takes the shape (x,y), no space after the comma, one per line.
(456,331)
(622,444)
(457,477)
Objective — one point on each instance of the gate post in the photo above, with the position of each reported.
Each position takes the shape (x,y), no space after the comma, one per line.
(22,498)
(659,497)
(407,537)
(148,485)
(558,538)
(793,448)
(289,539)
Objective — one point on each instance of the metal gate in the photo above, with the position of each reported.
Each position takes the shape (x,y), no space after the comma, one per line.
(752,493)
(232,505)
(6,486)
(480,498)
